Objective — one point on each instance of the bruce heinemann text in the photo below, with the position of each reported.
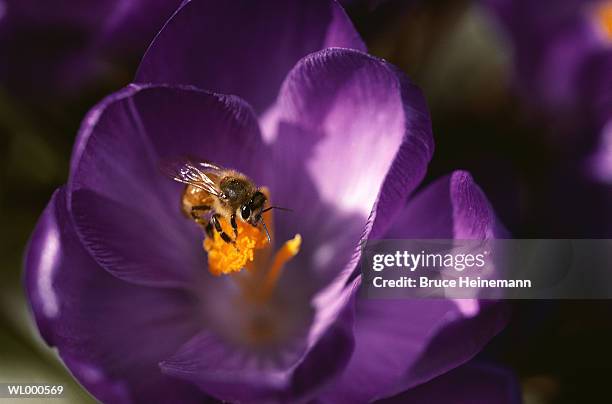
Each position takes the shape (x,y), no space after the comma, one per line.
(461,282)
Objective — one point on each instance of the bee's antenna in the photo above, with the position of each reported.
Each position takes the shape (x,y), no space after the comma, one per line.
(276,207)
(266,230)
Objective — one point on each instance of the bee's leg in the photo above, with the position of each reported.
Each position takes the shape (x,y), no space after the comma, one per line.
(209,229)
(234,225)
(195,213)
(215,221)
(199,208)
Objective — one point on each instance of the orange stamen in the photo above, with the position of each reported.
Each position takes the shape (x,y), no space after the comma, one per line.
(225,258)
(252,252)
(285,254)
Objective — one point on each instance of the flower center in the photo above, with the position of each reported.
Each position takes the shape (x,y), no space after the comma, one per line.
(603,18)
(225,258)
(251,252)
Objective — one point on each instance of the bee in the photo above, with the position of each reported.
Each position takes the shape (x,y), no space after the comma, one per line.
(213,192)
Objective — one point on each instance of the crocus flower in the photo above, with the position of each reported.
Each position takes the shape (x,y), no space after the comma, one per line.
(562,51)
(52,48)
(117,277)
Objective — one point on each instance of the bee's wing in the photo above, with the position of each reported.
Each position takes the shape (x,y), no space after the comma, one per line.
(193,173)
(206,165)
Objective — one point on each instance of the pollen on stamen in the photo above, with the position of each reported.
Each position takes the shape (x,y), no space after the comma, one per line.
(225,258)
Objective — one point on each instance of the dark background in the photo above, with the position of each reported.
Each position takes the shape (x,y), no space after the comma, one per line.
(531,173)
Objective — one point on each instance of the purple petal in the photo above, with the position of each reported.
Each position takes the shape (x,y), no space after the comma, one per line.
(131,26)
(110,334)
(28,24)
(473,216)
(399,343)
(225,371)
(389,336)
(292,373)
(601,162)
(125,211)
(330,342)
(551,42)
(62,46)
(453,206)
(472,383)
(350,133)
(242,47)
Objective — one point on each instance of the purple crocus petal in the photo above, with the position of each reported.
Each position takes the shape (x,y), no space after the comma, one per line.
(473,215)
(109,333)
(225,371)
(125,211)
(291,373)
(462,211)
(389,337)
(362,136)
(472,383)
(401,343)
(28,67)
(600,164)
(459,210)
(62,47)
(260,44)
(551,42)
(131,26)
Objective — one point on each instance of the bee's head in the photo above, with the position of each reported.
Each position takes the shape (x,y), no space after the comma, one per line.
(251,211)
